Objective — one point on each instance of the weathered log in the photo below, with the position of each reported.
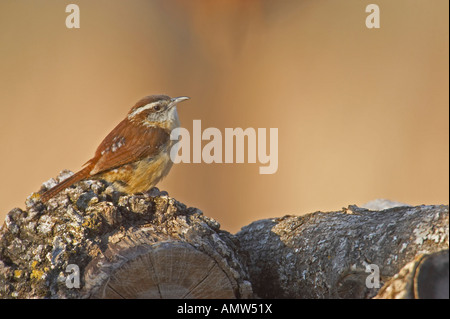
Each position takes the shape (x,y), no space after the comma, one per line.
(346,254)
(93,242)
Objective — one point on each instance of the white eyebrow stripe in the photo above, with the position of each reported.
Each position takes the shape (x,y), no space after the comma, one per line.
(142,108)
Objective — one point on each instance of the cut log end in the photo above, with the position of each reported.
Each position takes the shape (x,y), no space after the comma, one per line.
(163,270)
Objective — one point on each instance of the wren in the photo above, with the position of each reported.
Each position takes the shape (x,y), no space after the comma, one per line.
(135,156)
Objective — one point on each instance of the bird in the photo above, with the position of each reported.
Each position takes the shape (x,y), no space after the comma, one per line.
(135,155)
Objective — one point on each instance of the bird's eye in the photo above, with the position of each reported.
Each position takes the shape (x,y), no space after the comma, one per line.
(157,107)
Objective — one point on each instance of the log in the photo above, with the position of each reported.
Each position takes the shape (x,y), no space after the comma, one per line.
(345,254)
(426,277)
(93,242)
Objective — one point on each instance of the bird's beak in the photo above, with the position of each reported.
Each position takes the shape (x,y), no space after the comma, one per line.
(177,100)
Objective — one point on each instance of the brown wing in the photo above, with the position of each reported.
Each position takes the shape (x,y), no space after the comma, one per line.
(126,144)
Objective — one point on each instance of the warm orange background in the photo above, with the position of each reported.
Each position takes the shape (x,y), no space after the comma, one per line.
(362,114)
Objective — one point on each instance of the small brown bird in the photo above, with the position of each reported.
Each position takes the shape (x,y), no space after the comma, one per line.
(135,156)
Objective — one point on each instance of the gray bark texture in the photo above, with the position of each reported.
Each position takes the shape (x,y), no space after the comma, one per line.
(339,254)
(93,242)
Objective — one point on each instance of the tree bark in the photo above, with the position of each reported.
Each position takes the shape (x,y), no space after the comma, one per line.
(141,246)
(93,242)
(339,254)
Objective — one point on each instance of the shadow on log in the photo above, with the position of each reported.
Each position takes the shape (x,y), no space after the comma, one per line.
(426,277)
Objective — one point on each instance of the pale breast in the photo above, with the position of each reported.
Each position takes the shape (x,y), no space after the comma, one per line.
(139,176)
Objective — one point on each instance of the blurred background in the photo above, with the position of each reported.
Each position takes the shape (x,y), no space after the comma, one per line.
(361,113)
